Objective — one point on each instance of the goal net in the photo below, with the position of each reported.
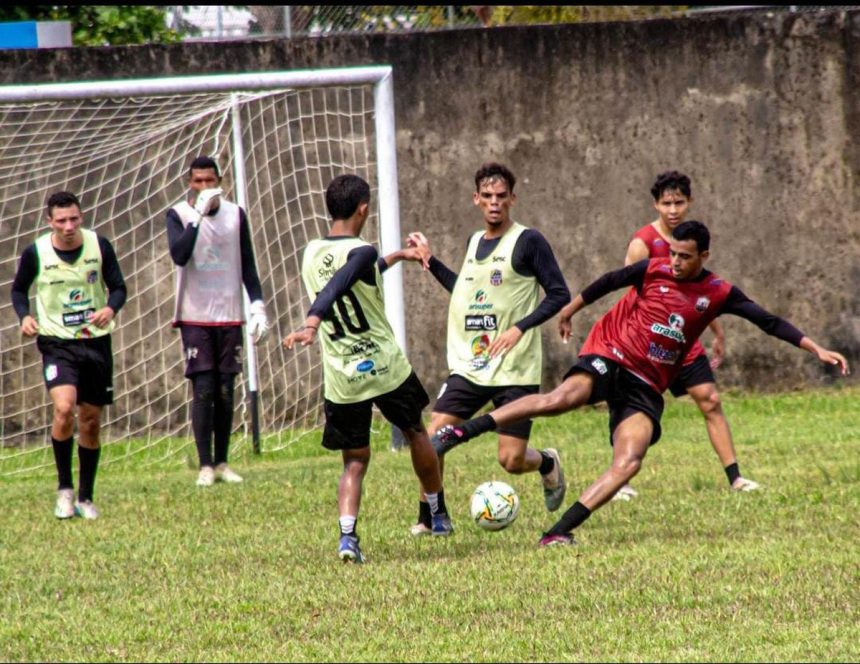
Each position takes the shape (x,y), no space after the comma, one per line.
(124,149)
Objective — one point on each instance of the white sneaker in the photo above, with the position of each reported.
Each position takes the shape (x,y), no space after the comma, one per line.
(223,473)
(65,507)
(625,493)
(206,477)
(86,510)
(419,530)
(743,484)
(554,486)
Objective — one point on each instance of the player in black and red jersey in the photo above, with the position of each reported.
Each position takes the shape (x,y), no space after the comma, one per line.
(632,355)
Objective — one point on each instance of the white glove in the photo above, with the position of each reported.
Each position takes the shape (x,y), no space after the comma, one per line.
(206,200)
(258,324)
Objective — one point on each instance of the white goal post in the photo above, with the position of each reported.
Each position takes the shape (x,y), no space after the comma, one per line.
(124,147)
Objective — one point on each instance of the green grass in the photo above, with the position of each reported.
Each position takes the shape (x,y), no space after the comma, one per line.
(688,571)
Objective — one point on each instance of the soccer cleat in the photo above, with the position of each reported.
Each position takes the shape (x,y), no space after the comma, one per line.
(348,550)
(223,473)
(447,438)
(557,540)
(554,486)
(86,510)
(743,484)
(625,493)
(419,530)
(206,476)
(65,507)
(442,526)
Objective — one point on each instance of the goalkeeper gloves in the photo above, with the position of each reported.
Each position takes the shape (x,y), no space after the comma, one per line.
(258,324)
(206,200)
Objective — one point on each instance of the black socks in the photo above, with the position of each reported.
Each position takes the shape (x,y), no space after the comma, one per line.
(63,460)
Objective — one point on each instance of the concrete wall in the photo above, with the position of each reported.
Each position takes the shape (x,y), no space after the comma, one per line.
(761,111)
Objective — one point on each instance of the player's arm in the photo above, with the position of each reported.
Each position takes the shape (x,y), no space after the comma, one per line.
(25,275)
(422,253)
(740,305)
(637,251)
(632,275)
(258,323)
(112,276)
(180,239)
(718,347)
(359,262)
(533,256)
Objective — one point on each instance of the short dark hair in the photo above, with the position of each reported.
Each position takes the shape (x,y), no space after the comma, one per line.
(61,199)
(344,194)
(491,169)
(203,162)
(693,230)
(671,181)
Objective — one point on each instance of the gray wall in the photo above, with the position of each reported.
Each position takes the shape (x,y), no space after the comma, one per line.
(759,110)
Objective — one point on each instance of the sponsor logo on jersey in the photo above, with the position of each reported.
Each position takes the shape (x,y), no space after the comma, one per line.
(600,365)
(76,318)
(89,261)
(702,304)
(365,366)
(480,359)
(51,372)
(664,289)
(356,378)
(52,266)
(364,347)
(83,333)
(191,353)
(499,259)
(57,282)
(76,296)
(662,355)
(92,277)
(481,322)
(211,261)
(675,329)
(617,353)
(327,271)
(496,278)
(480,303)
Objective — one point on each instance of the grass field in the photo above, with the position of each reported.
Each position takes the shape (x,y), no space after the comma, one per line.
(688,571)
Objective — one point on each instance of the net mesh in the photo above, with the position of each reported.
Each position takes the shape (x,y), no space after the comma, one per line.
(127,160)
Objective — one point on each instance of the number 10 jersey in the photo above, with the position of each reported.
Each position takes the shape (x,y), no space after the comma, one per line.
(361,358)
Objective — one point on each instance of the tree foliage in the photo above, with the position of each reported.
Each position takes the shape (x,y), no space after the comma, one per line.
(101,25)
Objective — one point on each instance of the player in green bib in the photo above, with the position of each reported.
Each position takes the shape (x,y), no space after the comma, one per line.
(494,318)
(362,363)
(79,290)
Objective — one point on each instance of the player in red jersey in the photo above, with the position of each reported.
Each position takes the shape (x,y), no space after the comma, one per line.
(632,354)
(672,198)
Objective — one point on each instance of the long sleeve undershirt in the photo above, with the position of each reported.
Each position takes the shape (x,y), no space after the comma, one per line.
(28,270)
(532,257)
(181,240)
(737,303)
(359,266)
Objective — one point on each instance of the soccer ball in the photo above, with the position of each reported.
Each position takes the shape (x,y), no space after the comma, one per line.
(495,505)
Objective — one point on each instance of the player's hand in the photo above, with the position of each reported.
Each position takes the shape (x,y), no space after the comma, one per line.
(718,352)
(564,327)
(29,326)
(207,200)
(305,335)
(832,357)
(102,317)
(258,324)
(416,255)
(504,342)
(417,241)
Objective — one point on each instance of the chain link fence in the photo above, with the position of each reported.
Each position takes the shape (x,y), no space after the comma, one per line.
(250,21)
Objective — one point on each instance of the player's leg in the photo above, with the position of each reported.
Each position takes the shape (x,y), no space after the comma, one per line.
(229,347)
(516,457)
(635,410)
(200,364)
(347,429)
(403,407)
(89,452)
(64,398)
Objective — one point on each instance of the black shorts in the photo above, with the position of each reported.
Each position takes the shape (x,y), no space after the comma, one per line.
(347,425)
(210,347)
(462,398)
(691,375)
(623,392)
(85,363)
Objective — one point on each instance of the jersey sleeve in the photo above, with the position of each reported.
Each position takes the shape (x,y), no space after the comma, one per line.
(632,275)
(533,256)
(250,278)
(112,275)
(738,304)
(25,275)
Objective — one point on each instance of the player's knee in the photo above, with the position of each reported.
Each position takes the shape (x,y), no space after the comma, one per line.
(628,464)
(711,404)
(88,427)
(512,462)
(64,411)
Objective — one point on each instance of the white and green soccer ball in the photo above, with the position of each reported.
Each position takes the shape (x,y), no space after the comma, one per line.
(494,505)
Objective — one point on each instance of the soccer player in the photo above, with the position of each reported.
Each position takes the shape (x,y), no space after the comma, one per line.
(210,243)
(672,199)
(633,354)
(79,290)
(494,344)
(362,363)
